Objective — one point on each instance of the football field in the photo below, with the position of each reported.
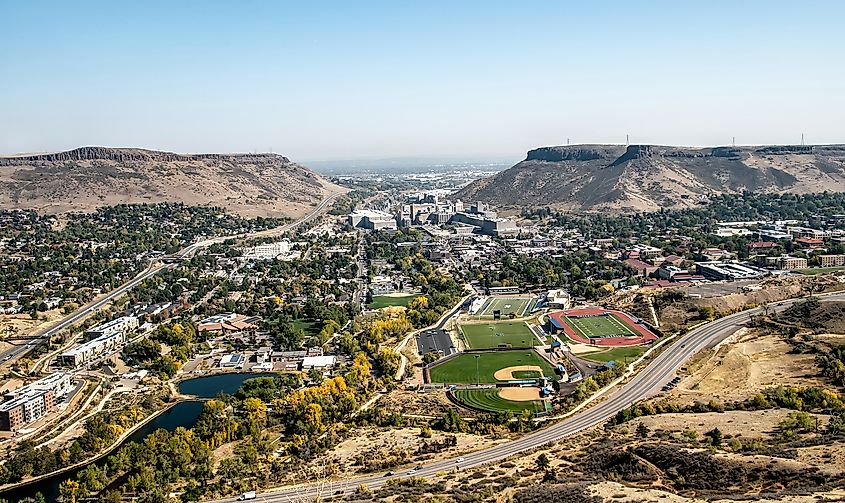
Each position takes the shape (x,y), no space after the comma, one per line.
(608,325)
(518,306)
(498,334)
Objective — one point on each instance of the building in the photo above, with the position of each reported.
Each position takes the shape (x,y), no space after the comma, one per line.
(807,242)
(372,220)
(761,246)
(234,360)
(60,383)
(728,271)
(26,409)
(502,290)
(831,260)
(639,267)
(33,401)
(267,251)
(87,351)
(669,271)
(123,326)
(786,262)
(231,322)
(319,362)
(558,299)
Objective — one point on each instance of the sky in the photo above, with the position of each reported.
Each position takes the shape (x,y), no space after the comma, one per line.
(323,80)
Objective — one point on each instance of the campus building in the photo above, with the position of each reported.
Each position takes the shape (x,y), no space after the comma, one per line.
(31,402)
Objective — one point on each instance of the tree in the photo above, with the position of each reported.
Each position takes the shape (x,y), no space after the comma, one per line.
(642,430)
(715,436)
(543,461)
(69,489)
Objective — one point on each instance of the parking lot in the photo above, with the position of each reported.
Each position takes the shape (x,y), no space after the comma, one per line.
(435,340)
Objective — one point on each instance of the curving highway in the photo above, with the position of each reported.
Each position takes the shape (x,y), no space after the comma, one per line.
(10,355)
(643,385)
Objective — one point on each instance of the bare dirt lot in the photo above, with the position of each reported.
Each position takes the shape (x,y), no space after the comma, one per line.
(739,370)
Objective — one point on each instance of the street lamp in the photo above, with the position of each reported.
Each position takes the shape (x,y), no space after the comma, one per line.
(477,378)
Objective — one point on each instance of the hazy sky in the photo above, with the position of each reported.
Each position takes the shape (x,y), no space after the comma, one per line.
(322,80)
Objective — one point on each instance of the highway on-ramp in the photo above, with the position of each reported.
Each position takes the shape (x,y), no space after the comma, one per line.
(644,384)
(15,352)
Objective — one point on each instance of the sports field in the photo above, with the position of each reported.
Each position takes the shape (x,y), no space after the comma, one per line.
(608,325)
(518,306)
(491,400)
(596,326)
(492,335)
(462,368)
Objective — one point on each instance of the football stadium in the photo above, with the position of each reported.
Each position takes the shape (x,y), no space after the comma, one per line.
(601,327)
(514,334)
(506,307)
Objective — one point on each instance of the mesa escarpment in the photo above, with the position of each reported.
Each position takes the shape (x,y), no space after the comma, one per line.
(89,177)
(621,178)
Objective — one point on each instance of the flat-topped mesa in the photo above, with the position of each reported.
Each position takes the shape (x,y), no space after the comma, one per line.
(131,155)
(574,153)
(634,152)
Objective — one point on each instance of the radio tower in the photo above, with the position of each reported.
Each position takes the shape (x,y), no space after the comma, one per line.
(733,141)
(627,143)
(802,139)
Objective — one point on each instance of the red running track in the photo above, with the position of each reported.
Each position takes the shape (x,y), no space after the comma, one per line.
(646,336)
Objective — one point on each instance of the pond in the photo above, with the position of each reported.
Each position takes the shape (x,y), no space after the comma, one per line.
(210,386)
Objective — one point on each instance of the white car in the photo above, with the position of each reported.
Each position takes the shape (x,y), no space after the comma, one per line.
(459,460)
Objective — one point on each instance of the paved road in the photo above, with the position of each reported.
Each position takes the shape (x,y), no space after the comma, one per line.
(645,384)
(10,355)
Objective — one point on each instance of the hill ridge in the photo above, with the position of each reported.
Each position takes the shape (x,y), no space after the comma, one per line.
(645,177)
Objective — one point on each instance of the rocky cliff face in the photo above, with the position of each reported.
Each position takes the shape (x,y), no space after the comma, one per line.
(621,178)
(85,178)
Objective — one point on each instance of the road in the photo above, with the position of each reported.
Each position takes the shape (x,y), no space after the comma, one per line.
(10,355)
(643,385)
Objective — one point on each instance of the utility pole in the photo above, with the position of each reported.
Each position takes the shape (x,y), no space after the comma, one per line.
(627,142)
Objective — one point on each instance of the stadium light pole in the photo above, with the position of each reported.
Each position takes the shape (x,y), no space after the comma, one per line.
(477,378)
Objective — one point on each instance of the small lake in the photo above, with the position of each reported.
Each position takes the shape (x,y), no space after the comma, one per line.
(211,386)
(182,414)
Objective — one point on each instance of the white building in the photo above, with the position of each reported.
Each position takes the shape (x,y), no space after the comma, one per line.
(318,362)
(559,299)
(122,326)
(372,219)
(267,251)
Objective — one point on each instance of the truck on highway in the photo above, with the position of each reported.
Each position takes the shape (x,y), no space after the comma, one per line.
(249,495)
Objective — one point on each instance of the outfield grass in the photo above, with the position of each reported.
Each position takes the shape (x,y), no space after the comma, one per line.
(618,354)
(820,270)
(490,335)
(461,369)
(489,399)
(380,301)
(599,326)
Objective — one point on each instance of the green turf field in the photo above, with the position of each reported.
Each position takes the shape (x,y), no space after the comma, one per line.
(600,326)
(380,301)
(619,354)
(489,399)
(490,335)
(518,306)
(820,270)
(461,369)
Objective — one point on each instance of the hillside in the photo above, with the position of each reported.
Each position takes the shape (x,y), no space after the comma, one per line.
(89,177)
(616,178)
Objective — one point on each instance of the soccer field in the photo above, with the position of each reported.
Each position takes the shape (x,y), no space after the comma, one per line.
(462,368)
(518,306)
(491,335)
(600,326)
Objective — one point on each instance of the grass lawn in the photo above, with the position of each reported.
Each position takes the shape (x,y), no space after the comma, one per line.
(490,335)
(519,306)
(461,369)
(617,354)
(820,270)
(380,301)
(526,374)
(309,327)
(489,399)
(599,326)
